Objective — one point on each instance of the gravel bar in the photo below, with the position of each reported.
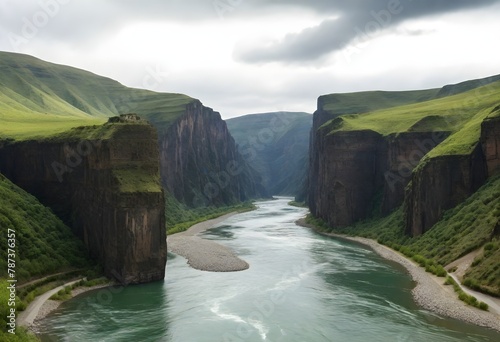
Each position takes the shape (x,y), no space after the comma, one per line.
(202,254)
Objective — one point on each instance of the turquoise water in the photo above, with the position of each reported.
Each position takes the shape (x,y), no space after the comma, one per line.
(300,287)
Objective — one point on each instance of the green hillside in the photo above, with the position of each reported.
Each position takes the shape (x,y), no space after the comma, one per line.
(368,101)
(44,244)
(38,98)
(276,145)
(460,114)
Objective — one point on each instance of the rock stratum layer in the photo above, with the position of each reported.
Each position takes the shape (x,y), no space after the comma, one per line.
(104,182)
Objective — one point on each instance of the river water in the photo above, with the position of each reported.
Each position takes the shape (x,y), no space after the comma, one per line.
(300,286)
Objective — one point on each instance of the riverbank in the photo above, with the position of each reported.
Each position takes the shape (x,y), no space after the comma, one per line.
(429,292)
(202,254)
(43,306)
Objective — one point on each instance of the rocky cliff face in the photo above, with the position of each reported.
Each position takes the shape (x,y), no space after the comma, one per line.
(490,141)
(348,176)
(404,152)
(440,184)
(200,162)
(103,181)
(356,173)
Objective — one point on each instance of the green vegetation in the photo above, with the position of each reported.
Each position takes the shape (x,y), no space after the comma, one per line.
(44,244)
(136,178)
(369,101)
(38,98)
(179,217)
(460,114)
(463,229)
(297,204)
(464,297)
(65,294)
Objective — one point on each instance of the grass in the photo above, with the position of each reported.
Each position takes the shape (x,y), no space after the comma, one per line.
(137,178)
(298,204)
(460,114)
(464,297)
(369,101)
(38,98)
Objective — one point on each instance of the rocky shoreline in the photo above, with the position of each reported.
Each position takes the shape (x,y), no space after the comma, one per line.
(429,292)
(202,254)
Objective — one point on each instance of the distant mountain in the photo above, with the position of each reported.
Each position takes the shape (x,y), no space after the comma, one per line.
(276,145)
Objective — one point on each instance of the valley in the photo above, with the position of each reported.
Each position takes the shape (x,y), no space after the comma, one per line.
(93,174)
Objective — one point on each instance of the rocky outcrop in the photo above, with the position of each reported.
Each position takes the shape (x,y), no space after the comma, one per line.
(440,184)
(355,174)
(404,152)
(201,164)
(490,141)
(104,182)
(348,176)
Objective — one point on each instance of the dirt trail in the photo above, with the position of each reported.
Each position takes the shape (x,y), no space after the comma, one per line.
(28,316)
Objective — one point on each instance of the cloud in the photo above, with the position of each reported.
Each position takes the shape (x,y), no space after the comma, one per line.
(357,20)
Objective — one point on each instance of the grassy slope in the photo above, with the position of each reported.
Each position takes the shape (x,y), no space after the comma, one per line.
(368,101)
(461,114)
(41,98)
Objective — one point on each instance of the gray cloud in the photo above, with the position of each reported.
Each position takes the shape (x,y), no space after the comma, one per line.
(359,20)
(84,22)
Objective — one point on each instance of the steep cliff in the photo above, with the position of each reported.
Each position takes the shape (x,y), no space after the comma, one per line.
(201,165)
(330,107)
(427,150)
(104,182)
(276,145)
(490,141)
(440,184)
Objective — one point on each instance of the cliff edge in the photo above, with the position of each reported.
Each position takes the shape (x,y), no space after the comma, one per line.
(104,182)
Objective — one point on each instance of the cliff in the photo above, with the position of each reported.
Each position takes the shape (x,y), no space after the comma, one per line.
(440,184)
(428,154)
(200,163)
(490,141)
(104,182)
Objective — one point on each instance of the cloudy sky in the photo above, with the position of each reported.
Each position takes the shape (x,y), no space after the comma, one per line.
(249,56)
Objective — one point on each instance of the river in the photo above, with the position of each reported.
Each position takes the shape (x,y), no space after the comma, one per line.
(300,286)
